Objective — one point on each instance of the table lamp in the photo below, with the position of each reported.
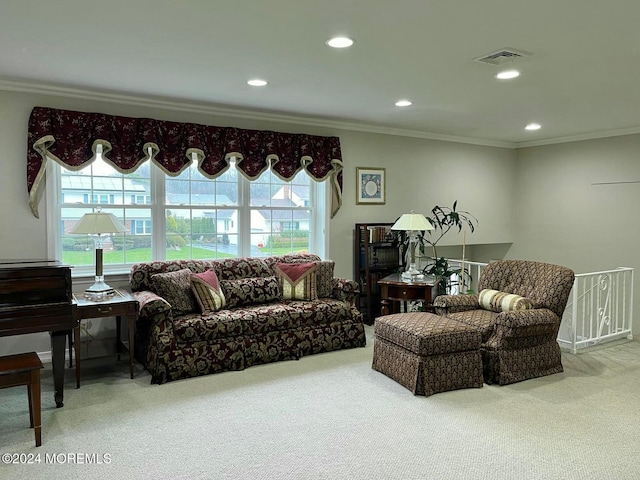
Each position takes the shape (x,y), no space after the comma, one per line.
(412,223)
(98,225)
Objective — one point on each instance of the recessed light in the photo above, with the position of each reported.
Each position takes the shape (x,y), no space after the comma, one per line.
(340,42)
(508,74)
(403,103)
(532,126)
(256,82)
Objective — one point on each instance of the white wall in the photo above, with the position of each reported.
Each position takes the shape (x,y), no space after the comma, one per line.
(561,216)
(420,174)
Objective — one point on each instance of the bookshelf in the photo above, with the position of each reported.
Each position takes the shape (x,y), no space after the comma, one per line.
(375,256)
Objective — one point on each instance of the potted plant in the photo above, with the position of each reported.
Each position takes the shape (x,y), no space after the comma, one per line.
(443,220)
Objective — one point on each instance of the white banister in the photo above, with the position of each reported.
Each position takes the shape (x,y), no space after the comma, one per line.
(600,306)
(600,309)
(456,284)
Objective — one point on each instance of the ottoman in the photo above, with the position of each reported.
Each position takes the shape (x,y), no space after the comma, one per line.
(427,353)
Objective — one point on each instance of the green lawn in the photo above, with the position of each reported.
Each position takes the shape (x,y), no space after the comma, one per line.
(136,255)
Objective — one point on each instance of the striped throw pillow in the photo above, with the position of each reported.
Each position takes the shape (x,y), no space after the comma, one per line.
(207,290)
(297,280)
(498,301)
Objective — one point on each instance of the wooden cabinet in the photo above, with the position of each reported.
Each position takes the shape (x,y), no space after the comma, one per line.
(375,256)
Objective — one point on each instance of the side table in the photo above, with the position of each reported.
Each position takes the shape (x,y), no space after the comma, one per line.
(122,304)
(393,288)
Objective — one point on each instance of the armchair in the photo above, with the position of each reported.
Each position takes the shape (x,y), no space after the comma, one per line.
(516,344)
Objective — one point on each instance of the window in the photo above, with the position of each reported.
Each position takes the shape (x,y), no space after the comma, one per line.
(141,199)
(140,227)
(185,217)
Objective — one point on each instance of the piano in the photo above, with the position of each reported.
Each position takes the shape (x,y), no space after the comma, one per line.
(35,296)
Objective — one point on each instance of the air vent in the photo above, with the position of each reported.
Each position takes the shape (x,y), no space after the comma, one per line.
(502,56)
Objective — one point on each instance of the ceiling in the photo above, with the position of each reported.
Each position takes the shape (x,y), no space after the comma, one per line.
(581,80)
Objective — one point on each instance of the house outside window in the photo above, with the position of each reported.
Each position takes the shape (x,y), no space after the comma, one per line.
(140,227)
(290,226)
(187,216)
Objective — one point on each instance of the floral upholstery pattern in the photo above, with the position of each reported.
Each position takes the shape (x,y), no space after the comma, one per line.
(68,136)
(151,303)
(324,278)
(520,344)
(250,291)
(259,319)
(427,334)
(140,274)
(483,320)
(427,353)
(345,290)
(175,288)
(240,268)
(174,346)
(545,284)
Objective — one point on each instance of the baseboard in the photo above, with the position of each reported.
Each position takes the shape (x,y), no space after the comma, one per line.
(100,347)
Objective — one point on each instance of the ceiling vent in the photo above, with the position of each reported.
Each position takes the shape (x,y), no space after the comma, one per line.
(502,56)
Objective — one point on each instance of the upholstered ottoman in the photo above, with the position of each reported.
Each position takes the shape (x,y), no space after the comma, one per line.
(427,353)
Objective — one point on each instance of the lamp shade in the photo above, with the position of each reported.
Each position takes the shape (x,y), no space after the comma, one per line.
(412,222)
(97,223)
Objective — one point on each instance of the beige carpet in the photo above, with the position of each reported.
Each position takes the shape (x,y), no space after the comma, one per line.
(331,416)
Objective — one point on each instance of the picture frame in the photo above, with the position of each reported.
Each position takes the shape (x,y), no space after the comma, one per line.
(370,186)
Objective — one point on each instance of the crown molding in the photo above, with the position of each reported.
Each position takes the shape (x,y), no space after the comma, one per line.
(579,138)
(207,109)
(210,109)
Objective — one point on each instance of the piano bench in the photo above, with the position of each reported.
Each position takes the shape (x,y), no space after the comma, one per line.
(24,369)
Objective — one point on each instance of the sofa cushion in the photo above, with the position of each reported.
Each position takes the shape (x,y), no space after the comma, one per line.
(209,326)
(426,334)
(324,277)
(497,301)
(261,319)
(484,320)
(297,280)
(175,288)
(207,290)
(237,268)
(291,314)
(141,273)
(250,291)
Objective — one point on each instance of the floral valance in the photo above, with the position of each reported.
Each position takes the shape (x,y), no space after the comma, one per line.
(71,138)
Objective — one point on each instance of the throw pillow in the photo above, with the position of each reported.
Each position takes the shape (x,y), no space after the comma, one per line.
(175,288)
(297,280)
(207,290)
(250,291)
(324,276)
(497,301)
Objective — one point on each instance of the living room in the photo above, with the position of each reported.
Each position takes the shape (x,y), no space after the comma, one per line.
(562,198)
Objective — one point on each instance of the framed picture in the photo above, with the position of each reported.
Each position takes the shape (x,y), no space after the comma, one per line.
(370,185)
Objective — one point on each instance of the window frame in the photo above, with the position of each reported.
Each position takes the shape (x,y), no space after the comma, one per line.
(319,208)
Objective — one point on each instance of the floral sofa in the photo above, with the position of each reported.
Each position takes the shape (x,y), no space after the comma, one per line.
(255,326)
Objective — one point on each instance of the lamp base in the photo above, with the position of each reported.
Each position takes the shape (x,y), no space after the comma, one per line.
(412,273)
(99,291)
